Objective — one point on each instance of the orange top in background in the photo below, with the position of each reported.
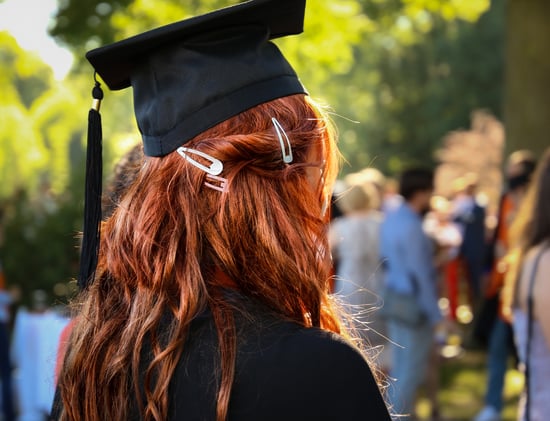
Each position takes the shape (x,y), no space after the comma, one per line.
(500,266)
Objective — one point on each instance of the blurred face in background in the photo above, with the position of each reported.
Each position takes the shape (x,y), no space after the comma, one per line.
(424,200)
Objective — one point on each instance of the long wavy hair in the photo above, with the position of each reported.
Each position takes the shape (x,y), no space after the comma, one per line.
(168,236)
(531,226)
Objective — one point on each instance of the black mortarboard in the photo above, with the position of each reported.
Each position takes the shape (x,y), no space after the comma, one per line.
(186,78)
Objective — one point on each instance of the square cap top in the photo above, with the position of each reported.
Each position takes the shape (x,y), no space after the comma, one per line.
(116,62)
(191,75)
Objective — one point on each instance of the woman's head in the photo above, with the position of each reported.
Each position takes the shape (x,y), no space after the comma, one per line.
(519,169)
(532,225)
(357,198)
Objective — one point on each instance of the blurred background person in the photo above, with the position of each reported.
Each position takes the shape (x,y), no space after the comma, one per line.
(373,181)
(490,325)
(35,338)
(447,238)
(528,284)
(391,198)
(470,217)
(410,276)
(5,360)
(375,178)
(358,282)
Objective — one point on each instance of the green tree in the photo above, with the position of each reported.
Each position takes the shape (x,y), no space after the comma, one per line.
(84,24)
(22,146)
(39,241)
(40,163)
(527,103)
(37,120)
(410,90)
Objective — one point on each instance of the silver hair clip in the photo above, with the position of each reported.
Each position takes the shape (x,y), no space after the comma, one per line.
(287,156)
(212,171)
(215,168)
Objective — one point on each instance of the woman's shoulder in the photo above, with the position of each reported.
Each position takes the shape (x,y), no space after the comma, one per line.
(267,331)
(317,345)
(283,371)
(542,286)
(327,358)
(364,227)
(306,373)
(359,219)
(542,249)
(539,256)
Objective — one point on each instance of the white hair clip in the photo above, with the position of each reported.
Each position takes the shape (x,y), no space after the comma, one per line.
(215,167)
(287,155)
(212,171)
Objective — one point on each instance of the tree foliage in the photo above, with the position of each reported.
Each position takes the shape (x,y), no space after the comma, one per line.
(83,24)
(36,116)
(527,104)
(40,161)
(409,91)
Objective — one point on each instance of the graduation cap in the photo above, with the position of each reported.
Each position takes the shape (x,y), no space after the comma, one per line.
(186,78)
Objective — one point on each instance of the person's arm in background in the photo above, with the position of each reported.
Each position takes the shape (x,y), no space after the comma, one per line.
(541,294)
(5,297)
(334,238)
(418,253)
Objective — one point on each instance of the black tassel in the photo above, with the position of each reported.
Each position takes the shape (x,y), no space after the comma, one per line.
(92,200)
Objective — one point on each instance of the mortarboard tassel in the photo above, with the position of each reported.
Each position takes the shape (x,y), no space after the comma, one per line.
(92,200)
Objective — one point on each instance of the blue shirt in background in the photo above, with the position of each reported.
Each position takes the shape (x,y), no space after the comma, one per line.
(408,256)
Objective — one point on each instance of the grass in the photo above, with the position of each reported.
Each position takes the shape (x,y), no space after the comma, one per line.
(462,385)
(462,378)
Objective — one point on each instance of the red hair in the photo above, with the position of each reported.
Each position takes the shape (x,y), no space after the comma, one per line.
(168,236)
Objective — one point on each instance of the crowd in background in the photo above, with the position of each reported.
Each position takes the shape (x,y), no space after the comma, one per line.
(28,355)
(417,272)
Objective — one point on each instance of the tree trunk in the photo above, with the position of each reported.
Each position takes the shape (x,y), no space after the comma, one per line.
(527,83)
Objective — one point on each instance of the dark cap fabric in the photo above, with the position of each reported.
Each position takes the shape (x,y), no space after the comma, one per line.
(191,75)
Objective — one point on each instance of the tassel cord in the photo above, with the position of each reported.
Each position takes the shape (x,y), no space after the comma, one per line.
(92,196)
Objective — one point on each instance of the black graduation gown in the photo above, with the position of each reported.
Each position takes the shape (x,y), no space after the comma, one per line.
(284,372)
